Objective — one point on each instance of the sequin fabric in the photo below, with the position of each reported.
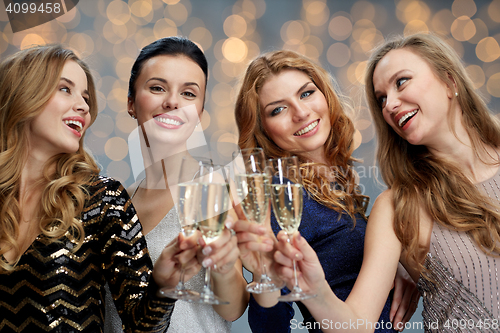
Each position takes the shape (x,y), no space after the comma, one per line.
(462,294)
(57,290)
(339,247)
(186,317)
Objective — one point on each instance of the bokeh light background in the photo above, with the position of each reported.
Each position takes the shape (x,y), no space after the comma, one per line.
(337,34)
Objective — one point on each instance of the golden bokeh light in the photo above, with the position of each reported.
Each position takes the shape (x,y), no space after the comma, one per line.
(463,28)
(108,35)
(177,12)
(317,13)
(410,10)
(364,30)
(294,32)
(219,74)
(340,28)
(235,26)
(363,10)
(141,8)
(481,31)
(3,42)
(205,119)
(338,54)
(488,50)
(116,148)
(477,75)
(223,94)
(117,99)
(464,8)
(125,123)
(442,21)
(81,43)
(415,26)
(103,126)
(164,27)
(71,19)
(253,50)
(118,12)
(234,49)
(357,139)
(114,33)
(123,67)
(299,48)
(144,36)
(30,40)
(493,85)
(494,11)
(119,169)
(202,36)
(226,144)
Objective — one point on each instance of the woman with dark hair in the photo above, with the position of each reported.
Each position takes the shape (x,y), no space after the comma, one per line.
(287,105)
(438,150)
(166,95)
(65,231)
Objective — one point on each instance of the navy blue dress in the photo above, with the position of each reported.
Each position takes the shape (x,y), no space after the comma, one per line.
(339,247)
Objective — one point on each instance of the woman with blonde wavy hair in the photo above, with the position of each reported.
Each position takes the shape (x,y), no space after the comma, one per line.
(65,231)
(438,153)
(288,106)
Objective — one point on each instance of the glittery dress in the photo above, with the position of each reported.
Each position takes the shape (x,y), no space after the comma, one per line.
(464,294)
(186,317)
(57,290)
(339,247)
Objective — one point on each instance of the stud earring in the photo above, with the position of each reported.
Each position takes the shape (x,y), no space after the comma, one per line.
(456,94)
(131,114)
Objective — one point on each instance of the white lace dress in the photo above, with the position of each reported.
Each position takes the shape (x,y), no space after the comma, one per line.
(187,317)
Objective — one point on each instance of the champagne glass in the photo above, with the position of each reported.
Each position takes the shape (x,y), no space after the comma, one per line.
(252,187)
(286,197)
(187,201)
(212,212)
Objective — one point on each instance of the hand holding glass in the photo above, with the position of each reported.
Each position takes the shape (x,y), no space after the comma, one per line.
(252,185)
(187,201)
(286,197)
(213,208)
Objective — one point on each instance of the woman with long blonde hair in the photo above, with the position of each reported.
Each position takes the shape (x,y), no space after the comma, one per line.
(288,106)
(65,231)
(438,153)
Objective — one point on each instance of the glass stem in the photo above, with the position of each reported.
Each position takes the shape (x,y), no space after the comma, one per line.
(296,288)
(263,275)
(180,285)
(207,287)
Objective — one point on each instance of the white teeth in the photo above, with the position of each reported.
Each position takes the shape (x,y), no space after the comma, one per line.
(168,121)
(406,116)
(307,129)
(75,122)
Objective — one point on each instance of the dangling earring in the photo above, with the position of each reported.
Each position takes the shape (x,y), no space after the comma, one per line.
(456,94)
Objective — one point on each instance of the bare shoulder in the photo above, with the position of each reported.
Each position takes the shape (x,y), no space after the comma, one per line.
(385,200)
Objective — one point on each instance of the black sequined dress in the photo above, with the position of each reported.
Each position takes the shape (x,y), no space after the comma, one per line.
(57,290)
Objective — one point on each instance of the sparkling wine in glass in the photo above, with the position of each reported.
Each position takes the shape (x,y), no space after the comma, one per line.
(187,204)
(286,197)
(252,187)
(212,212)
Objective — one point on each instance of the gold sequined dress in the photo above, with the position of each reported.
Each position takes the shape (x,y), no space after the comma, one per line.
(57,290)
(463,294)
